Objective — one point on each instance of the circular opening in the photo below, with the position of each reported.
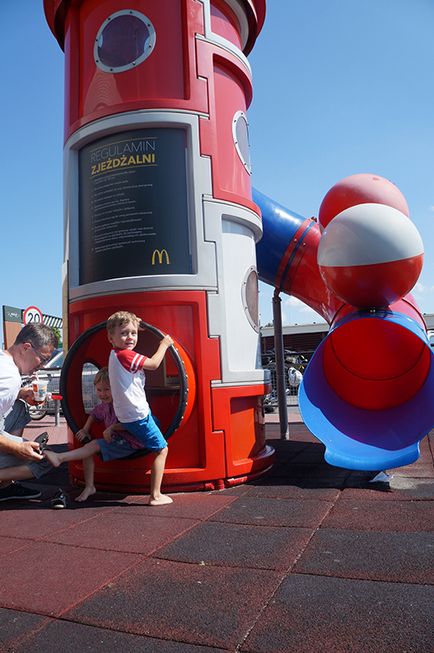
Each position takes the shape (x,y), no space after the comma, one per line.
(166,388)
(250,297)
(375,364)
(240,133)
(124,40)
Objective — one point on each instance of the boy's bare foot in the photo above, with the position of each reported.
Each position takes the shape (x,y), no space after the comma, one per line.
(52,457)
(161,500)
(87,492)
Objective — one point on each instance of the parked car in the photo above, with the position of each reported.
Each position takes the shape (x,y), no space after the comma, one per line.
(51,372)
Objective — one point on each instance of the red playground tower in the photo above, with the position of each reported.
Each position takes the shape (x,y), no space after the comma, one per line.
(159,220)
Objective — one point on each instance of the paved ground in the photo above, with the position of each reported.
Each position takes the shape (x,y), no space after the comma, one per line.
(310,559)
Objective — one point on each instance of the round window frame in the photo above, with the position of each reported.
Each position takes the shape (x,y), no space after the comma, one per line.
(151,45)
(235,119)
(247,313)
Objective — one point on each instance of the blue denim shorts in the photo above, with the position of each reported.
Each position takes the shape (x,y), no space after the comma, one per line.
(147,432)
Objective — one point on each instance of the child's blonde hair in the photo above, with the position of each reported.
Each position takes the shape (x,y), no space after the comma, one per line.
(102,376)
(120,318)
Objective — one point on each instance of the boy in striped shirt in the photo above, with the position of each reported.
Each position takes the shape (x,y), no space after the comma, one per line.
(127,381)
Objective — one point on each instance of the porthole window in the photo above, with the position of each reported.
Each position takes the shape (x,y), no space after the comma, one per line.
(250,297)
(240,133)
(124,40)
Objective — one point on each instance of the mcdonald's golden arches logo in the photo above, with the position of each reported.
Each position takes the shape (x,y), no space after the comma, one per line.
(160,254)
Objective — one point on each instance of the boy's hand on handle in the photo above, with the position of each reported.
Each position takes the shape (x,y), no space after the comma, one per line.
(167,340)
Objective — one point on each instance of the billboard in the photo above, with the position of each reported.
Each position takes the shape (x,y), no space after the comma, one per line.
(133,213)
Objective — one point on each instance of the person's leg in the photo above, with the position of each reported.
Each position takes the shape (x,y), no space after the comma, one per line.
(16,473)
(157,471)
(89,477)
(56,459)
(148,433)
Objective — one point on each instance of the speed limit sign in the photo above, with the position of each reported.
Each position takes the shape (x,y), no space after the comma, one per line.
(32,314)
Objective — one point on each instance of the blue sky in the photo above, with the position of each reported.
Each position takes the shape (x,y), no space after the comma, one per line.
(340,87)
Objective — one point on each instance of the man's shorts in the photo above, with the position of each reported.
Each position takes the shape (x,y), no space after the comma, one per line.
(147,432)
(18,417)
(7,460)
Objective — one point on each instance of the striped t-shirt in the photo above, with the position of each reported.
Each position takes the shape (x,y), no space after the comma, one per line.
(127,384)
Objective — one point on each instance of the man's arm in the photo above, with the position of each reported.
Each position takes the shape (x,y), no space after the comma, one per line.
(22,449)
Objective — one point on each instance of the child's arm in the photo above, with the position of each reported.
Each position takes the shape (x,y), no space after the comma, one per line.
(153,362)
(84,433)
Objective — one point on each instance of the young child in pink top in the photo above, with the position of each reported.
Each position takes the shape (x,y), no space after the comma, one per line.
(116,442)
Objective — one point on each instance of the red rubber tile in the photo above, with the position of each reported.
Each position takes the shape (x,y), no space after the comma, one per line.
(314,613)
(10,544)
(30,522)
(238,545)
(123,531)
(211,606)
(400,557)
(403,516)
(50,578)
(191,505)
(274,512)
(76,637)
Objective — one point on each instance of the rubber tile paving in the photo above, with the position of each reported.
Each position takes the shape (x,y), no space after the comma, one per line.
(41,522)
(12,544)
(274,489)
(14,625)
(274,512)
(399,489)
(196,505)
(400,557)
(71,637)
(404,516)
(49,578)
(212,606)
(123,531)
(261,547)
(309,614)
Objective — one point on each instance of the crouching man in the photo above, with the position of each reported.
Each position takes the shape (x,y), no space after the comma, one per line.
(19,458)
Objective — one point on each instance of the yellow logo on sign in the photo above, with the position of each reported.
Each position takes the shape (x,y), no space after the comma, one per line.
(157,253)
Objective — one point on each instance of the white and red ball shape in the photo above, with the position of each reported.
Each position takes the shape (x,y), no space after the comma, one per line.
(370,255)
(363,188)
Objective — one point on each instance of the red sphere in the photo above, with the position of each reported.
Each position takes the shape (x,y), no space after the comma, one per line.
(363,188)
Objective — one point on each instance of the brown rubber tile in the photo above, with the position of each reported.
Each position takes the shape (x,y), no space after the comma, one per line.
(72,637)
(400,557)
(15,625)
(404,516)
(333,615)
(238,545)
(274,512)
(399,489)
(275,489)
(211,606)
